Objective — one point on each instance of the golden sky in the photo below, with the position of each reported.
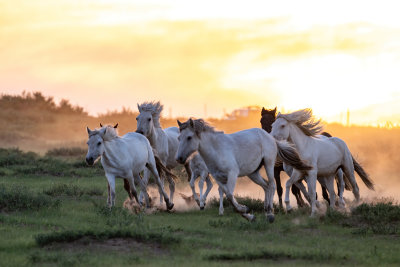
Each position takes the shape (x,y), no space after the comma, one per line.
(105,54)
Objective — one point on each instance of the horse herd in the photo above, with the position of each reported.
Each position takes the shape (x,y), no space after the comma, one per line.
(287,142)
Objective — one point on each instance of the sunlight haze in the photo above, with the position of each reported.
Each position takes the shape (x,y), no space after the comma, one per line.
(207,57)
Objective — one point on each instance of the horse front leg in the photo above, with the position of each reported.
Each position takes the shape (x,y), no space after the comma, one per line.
(279,189)
(160,185)
(341,186)
(111,184)
(296,175)
(143,190)
(171,183)
(311,183)
(209,186)
(145,181)
(331,188)
(108,195)
(192,186)
(221,200)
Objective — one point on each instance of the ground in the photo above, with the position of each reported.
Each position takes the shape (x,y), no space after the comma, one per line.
(61,218)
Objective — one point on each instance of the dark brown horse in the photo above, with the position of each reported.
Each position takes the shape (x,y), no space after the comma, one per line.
(267,118)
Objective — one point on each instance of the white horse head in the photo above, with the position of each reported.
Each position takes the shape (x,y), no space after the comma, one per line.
(303,119)
(189,138)
(96,141)
(149,117)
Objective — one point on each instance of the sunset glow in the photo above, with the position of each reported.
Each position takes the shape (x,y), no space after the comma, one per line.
(203,57)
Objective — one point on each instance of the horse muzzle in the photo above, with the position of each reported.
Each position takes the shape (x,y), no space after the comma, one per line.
(90,161)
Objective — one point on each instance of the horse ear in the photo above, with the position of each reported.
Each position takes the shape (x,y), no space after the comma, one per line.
(138,107)
(263,109)
(179,123)
(275,109)
(115,126)
(191,123)
(101,125)
(88,130)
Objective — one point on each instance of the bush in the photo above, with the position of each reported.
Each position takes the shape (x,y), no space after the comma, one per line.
(14,156)
(19,198)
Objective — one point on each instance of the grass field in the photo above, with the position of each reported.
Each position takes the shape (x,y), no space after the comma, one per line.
(53,212)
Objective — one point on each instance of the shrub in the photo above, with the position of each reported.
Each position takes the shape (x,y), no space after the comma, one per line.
(19,198)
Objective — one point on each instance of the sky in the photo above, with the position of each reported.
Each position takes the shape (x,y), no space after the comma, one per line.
(204,58)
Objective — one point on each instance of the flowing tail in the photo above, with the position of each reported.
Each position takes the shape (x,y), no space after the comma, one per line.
(364,176)
(162,169)
(289,155)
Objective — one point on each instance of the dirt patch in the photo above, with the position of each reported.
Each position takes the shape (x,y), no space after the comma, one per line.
(123,245)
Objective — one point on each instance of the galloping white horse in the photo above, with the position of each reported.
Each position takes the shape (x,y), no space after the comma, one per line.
(164,142)
(123,157)
(325,155)
(243,153)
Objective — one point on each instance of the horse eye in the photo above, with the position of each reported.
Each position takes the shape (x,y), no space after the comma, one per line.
(99,143)
(189,138)
(149,119)
(137,118)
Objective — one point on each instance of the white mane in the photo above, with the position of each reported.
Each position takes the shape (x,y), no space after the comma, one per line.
(109,133)
(155,108)
(304,120)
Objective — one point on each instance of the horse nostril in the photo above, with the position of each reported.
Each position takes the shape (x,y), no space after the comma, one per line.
(89,161)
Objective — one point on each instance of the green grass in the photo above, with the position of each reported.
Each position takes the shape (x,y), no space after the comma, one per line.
(80,230)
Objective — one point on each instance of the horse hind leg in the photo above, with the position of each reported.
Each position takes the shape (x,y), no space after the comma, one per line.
(348,170)
(268,208)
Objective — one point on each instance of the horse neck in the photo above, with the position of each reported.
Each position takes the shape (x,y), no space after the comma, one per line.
(207,147)
(154,137)
(299,138)
(110,153)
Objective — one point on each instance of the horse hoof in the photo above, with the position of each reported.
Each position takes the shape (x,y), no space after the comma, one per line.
(170,206)
(247,209)
(201,208)
(289,211)
(271,218)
